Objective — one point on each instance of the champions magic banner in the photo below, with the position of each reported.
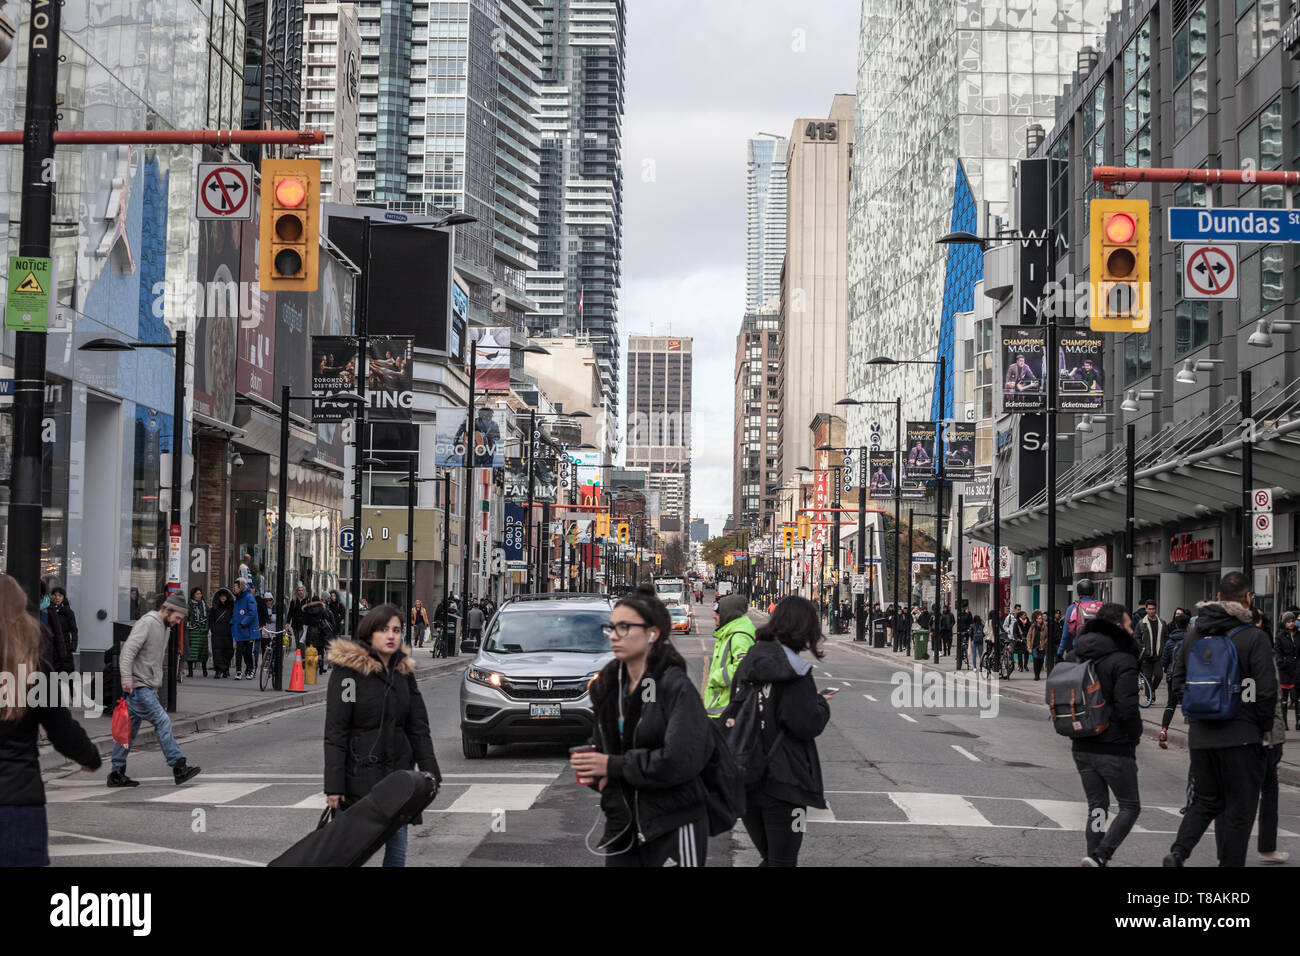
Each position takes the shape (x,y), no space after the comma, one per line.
(1024,368)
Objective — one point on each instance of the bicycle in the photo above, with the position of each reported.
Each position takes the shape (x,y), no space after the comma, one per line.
(963,642)
(266,665)
(1000,661)
(1146,693)
(439,648)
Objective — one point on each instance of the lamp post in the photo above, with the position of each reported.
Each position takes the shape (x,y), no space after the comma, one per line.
(178,444)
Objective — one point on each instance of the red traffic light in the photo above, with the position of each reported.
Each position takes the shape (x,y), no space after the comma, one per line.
(290,192)
(1120,228)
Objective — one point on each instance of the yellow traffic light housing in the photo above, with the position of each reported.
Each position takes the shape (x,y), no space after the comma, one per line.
(1120,264)
(622,532)
(805,527)
(602,526)
(289,229)
(787,537)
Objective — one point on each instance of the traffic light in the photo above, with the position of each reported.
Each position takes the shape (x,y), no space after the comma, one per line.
(729,560)
(659,558)
(602,526)
(787,537)
(289,235)
(1120,264)
(574,532)
(622,532)
(805,527)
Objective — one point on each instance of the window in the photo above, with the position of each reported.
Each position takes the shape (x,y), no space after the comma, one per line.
(1094,135)
(1059,170)
(1137,98)
(1191,317)
(1137,357)
(1259,24)
(1261,281)
(1191,73)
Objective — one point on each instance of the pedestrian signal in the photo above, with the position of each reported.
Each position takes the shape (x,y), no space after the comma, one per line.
(1120,264)
(622,532)
(289,229)
(805,527)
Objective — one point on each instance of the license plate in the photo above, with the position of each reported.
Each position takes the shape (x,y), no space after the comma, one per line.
(543,710)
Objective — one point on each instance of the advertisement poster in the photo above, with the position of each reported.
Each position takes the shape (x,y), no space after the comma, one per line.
(514,537)
(882,474)
(1082,380)
(544,485)
(293,341)
(1024,368)
(215,306)
(333,369)
(489,447)
(516,479)
(255,369)
(390,390)
(492,364)
(919,461)
(959,452)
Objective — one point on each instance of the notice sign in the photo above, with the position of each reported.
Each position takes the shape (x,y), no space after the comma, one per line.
(1263,528)
(1210,271)
(1082,381)
(27,308)
(224,191)
(1024,368)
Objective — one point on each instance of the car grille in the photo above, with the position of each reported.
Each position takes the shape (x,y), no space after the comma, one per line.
(562,688)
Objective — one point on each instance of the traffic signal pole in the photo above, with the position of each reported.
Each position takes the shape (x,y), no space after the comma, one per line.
(860,628)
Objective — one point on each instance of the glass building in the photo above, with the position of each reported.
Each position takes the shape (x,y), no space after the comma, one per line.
(765,208)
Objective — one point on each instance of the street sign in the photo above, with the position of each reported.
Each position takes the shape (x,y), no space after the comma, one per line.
(859,584)
(27,308)
(345,539)
(1210,271)
(6,388)
(1262,500)
(224,191)
(1194,224)
(174,559)
(1263,530)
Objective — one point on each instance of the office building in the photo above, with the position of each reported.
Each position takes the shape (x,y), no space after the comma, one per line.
(569,375)
(332,93)
(699,530)
(756,478)
(659,421)
(272,67)
(764,218)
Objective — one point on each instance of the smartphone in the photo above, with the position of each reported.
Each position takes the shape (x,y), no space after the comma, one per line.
(583,749)
(830,692)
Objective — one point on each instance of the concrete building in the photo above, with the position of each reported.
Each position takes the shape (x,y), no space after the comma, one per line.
(756,444)
(765,206)
(699,530)
(570,377)
(659,421)
(332,93)
(814,284)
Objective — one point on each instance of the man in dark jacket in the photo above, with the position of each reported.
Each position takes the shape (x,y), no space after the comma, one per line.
(1107,763)
(944,623)
(1151,634)
(1227,756)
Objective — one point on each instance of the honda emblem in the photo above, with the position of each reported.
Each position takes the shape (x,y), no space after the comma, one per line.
(545,683)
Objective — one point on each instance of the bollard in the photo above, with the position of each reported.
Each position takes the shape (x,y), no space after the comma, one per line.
(310,668)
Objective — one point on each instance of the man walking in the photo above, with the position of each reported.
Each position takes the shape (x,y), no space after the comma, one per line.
(733,636)
(1226,741)
(474,618)
(1151,633)
(143,667)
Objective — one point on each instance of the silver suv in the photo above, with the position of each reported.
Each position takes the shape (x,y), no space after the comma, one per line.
(528,682)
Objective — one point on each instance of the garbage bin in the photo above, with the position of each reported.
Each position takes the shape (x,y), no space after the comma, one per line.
(920,643)
(878,632)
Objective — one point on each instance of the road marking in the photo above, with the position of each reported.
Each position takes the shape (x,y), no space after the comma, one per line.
(818,815)
(144,848)
(938,810)
(966,753)
(870,698)
(489,797)
(204,793)
(910,720)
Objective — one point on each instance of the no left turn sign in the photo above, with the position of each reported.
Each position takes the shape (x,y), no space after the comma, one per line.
(225,191)
(1210,271)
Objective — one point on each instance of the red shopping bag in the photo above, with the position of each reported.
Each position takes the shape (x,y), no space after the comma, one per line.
(122,723)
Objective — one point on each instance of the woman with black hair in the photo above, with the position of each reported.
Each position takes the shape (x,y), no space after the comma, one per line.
(652,742)
(791,716)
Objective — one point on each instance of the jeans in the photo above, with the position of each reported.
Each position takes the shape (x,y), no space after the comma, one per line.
(1102,775)
(395,849)
(1038,664)
(1268,801)
(977,653)
(144,705)
(1228,784)
(771,824)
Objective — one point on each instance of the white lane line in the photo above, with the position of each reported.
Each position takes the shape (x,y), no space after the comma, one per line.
(1066,814)
(939,809)
(206,793)
(910,720)
(870,698)
(146,848)
(826,673)
(488,798)
(966,753)
(847,684)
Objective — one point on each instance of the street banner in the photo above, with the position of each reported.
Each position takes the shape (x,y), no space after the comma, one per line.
(333,369)
(390,388)
(544,485)
(882,474)
(959,452)
(921,439)
(980,570)
(489,446)
(492,364)
(1081,383)
(846,473)
(516,479)
(514,537)
(1024,368)
(822,498)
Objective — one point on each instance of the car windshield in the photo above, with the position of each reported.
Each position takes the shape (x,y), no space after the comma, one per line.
(554,632)
(678,611)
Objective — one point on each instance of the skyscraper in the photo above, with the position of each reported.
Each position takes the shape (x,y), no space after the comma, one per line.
(272,66)
(764,218)
(332,93)
(579,264)
(756,477)
(659,421)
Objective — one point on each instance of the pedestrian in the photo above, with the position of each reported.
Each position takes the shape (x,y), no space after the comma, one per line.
(143,664)
(1037,639)
(54,648)
(1020,636)
(419,623)
(295,622)
(1076,618)
(245,629)
(338,613)
(137,605)
(1173,647)
(318,629)
(1009,624)
(67,620)
(474,618)
(196,633)
(1268,794)
(1107,762)
(24,832)
(1227,746)
(375,718)
(266,627)
(221,619)
(791,716)
(652,742)
(946,623)
(1151,633)
(733,636)
(977,641)
(1286,649)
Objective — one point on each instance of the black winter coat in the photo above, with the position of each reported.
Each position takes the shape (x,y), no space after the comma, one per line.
(380,727)
(654,783)
(798,715)
(320,624)
(1286,646)
(20,768)
(1114,653)
(67,623)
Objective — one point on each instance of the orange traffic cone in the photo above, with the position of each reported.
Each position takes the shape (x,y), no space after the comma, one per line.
(295,680)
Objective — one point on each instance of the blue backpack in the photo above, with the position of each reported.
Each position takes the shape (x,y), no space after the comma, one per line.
(1212,684)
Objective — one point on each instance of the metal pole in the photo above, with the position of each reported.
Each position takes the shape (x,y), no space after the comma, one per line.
(24,517)
(178,460)
(281,546)
(468,534)
(1052,386)
(363,343)
(995,626)
(1130,493)
(528,528)
(898,493)
(861,626)
(1247,480)
(957,562)
(411,487)
(449,638)
(909,557)
(544,541)
(940,489)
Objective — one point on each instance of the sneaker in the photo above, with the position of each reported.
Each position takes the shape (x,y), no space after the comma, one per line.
(239,675)
(1092,860)
(1172,858)
(118,778)
(182,771)
(1277,856)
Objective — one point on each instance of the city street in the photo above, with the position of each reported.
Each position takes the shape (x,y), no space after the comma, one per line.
(914,786)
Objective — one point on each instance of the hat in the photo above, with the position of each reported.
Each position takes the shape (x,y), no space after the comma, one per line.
(1287,617)
(731,607)
(176,602)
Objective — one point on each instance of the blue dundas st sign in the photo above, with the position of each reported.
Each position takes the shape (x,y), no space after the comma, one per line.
(1192,224)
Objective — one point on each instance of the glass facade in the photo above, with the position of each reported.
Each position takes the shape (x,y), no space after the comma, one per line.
(765,219)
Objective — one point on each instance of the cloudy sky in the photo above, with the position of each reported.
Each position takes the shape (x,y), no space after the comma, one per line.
(703,77)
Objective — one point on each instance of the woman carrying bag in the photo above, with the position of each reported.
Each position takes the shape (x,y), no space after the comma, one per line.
(1038,642)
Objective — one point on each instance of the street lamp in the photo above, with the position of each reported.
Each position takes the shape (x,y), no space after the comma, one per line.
(1262,337)
(178,443)
(1187,374)
(448,636)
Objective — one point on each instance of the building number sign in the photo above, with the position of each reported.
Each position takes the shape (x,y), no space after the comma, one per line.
(824,132)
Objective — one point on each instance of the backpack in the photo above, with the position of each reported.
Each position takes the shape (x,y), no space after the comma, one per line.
(1212,684)
(1075,699)
(744,736)
(1080,615)
(724,790)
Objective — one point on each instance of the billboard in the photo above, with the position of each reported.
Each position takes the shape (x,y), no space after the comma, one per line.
(216,312)
(1081,383)
(544,484)
(882,474)
(1024,368)
(333,369)
(514,537)
(959,452)
(390,389)
(492,364)
(489,448)
(919,459)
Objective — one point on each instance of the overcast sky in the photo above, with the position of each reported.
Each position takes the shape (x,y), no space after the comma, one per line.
(702,78)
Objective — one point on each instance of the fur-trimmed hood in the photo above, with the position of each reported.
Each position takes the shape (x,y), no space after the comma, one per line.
(356,656)
(1215,609)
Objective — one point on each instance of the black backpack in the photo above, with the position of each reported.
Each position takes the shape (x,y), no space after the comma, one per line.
(724,790)
(742,725)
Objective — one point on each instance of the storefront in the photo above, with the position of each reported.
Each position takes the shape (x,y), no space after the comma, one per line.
(383,557)
(1094,563)
(1194,558)
(1148,563)
(1275,571)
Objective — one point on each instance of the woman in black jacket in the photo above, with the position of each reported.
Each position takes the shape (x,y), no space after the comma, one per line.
(319,628)
(220,618)
(24,834)
(792,714)
(652,741)
(375,718)
(1286,647)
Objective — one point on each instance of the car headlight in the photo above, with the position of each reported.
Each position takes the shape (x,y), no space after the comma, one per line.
(480,676)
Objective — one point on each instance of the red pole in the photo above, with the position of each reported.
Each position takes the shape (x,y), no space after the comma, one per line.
(177,137)
(1121,174)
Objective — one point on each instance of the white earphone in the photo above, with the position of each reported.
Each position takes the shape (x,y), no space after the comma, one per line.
(653,635)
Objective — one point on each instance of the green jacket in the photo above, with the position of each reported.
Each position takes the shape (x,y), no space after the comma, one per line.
(734,639)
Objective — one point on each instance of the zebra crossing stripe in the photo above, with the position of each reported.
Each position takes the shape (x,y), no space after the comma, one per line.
(939,810)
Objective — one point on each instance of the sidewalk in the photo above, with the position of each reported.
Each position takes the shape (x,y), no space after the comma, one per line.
(204,703)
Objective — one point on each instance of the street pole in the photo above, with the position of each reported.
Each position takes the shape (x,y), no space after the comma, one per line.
(860,629)
(528,529)
(909,557)
(1247,480)
(447,635)
(411,488)
(898,493)
(995,626)
(281,548)
(1130,541)
(1052,386)
(544,540)
(957,560)
(359,426)
(25,492)
(939,496)
(178,446)
(468,543)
